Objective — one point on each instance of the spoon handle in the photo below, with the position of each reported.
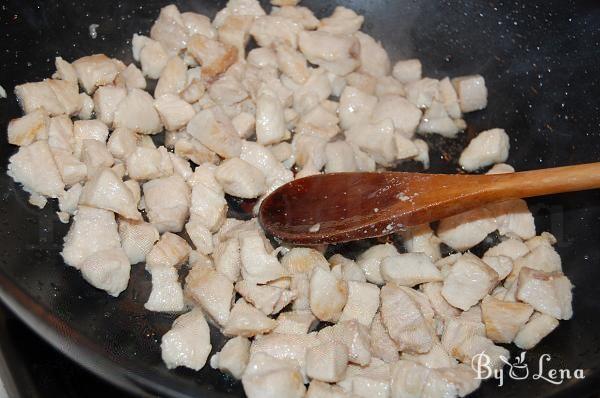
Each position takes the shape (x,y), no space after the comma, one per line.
(546,181)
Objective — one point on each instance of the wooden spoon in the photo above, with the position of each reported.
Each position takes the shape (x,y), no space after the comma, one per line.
(340,207)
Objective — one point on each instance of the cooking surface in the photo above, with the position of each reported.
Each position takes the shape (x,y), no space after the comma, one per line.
(541,68)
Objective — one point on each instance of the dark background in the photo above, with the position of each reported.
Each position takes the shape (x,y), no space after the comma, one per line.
(540,61)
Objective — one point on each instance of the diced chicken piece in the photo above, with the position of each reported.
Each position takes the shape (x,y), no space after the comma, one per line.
(70,168)
(92,230)
(436,120)
(208,206)
(233,357)
(200,237)
(382,345)
(309,153)
(514,219)
(68,201)
(258,266)
(472,92)
(362,81)
(372,380)
(501,264)
(137,239)
(166,294)
(270,122)
(214,129)
(374,59)
(170,30)
(457,330)
(35,168)
(247,321)
(335,53)
(352,334)
(292,63)
(442,308)
(262,57)
(422,92)
(421,239)
(235,32)
(290,347)
(478,345)
(29,128)
(241,179)
(212,291)
(174,112)
(539,326)
(122,143)
(38,95)
(312,93)
(67,95)
(340,157)
(503,319)
(65,71)
(106,102)
(303,260)
(270,30)
(228,259)
(547,292)
(181,166)
(469,280)
(512,248)
(370,261)
(295,322)
(362,303)
(328,295)
(436,358)
(244,124)
(404,115)
(268,377)
(170,251)
(137,43)
(343,21)
(327,362)
(465,230)
(173,78)
(489,147)
(94,71)
(378,140)
(188,342)
(59,133)
(153,58)
(227,91)
(239,7)
(449,98)
(146,163)
(268,299)
(320,121)
(87,107)
(542,258)
(407,71)
(214,56)
(350,271)
(198,24)
(107,270)
(136,112)
(167,202)
(95,156)
(131,77)
(319,389)
(105,190)
(409,269)
(191,149)
(404,320)
(356,107)
(301,15)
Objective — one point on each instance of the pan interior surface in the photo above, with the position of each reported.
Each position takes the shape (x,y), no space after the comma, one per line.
(541,67)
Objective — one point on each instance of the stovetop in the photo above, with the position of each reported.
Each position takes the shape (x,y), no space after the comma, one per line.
(31,368)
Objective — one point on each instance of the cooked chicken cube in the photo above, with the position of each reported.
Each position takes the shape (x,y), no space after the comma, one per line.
(404,320)
(465,230)
(188,342)
(198,24)
(131,77)
(544,239)
(65,71)
(59,133)
(407,71)
(244,124)
(382,345)
(67,95)
(367,381)
(370,261)
(173,78)
(457,330)
(512,248)
(228,259)
(312,93)
(354,336)
(269,30)
(258,265)
(260,157)
(174,112)
(122,143)
(373,58)
(106,102)
(214,129)
(94,71)
(95,156)
(538,327)
(436,120)
(227,91)
(489,147)
(327,362)
(268,299)
(136,112)
(292,63)
(88,130)
(302,15)
(105,190)
(39,95)
(504,319)
(501,264)
(348,269)
(303,260)
(170,251)
(200,236)
(270,122)
(422,92)
(362,303)
(29,128)
(436,358)
(212,291)
(268,377)
(34,167)
(214,56)
(340,157)
(107,270)
(137,239)
(514,219)
(87,107)
(477,345)
(153,57)
(404,115)
(68,201)
(169,29)
(147,163)
(247,321)
(70,168)
(167,202)
(548,292)
(472,92)
(421,239)
(409,269)
(92,230)
(378,140)
(356,107)
(469,280)
(208,207)
(343,21)
(295,322)
(233,357)
(327,295)
(241,179)
(319,389)
(335,53)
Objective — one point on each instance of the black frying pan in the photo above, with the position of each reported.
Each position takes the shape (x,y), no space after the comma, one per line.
(541,64)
